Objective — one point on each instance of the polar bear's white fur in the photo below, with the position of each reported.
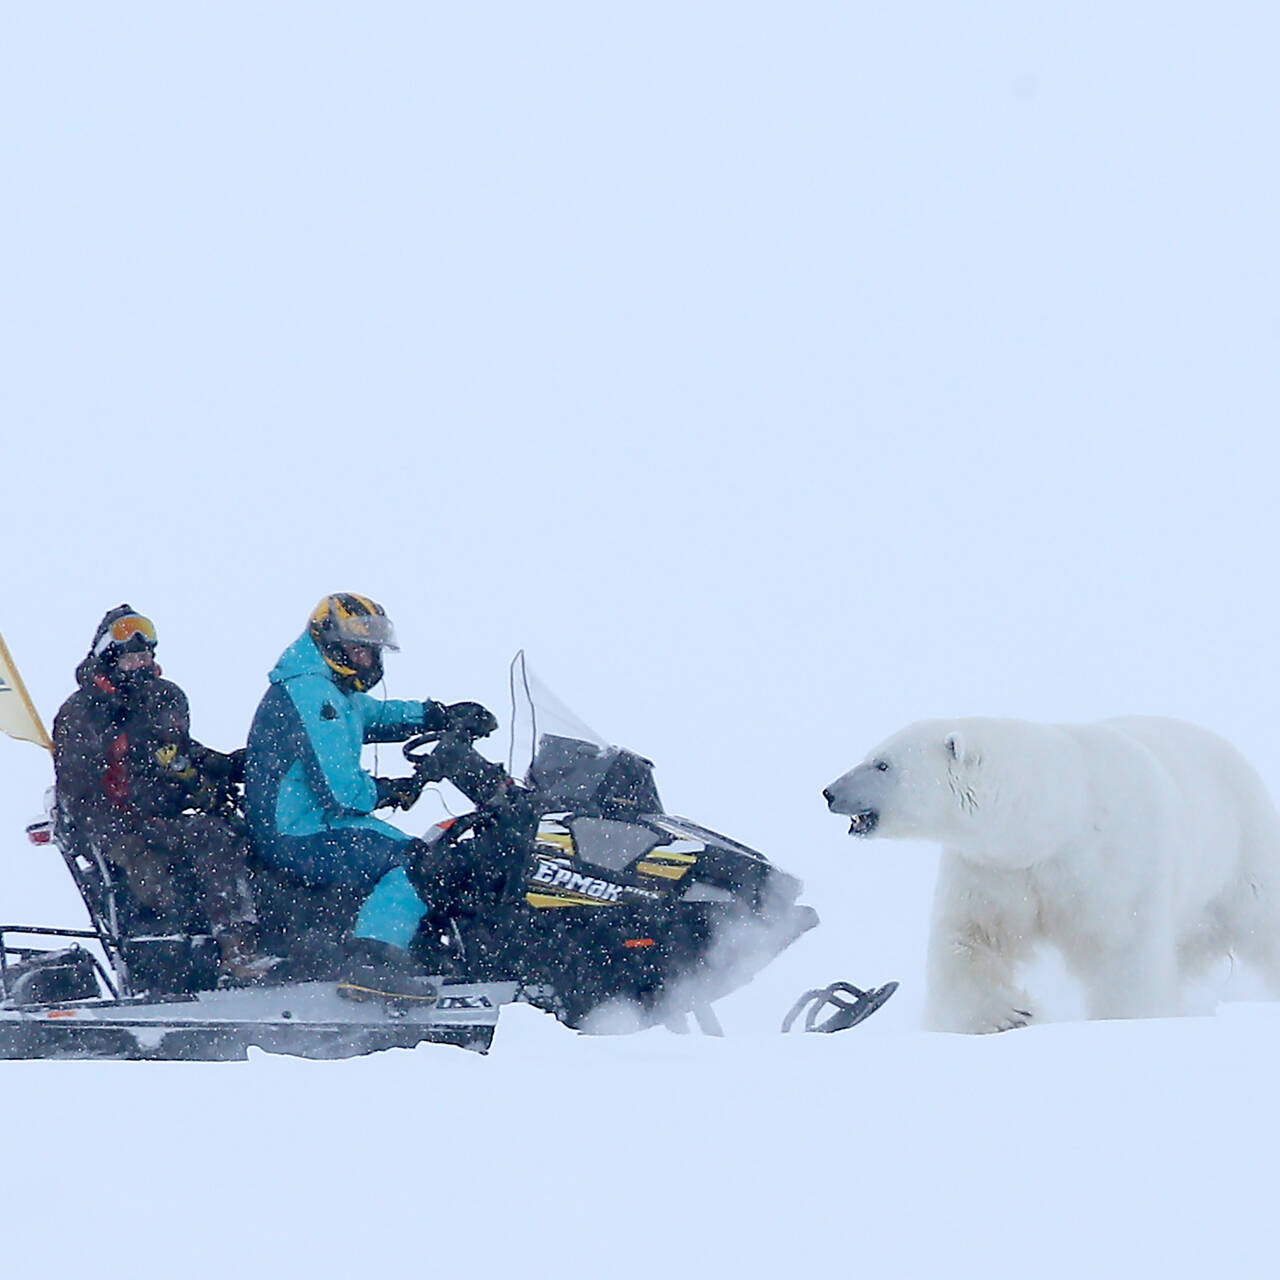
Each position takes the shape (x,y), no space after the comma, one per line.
(1142,848)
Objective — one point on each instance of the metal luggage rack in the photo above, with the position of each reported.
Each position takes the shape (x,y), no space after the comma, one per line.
(22,954)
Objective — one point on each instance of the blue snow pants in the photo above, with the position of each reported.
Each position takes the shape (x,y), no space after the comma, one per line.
(369,862)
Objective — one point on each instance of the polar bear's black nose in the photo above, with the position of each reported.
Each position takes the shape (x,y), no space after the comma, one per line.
(827,796)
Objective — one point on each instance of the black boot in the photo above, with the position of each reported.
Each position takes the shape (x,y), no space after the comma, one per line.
(242,961)
(378,971)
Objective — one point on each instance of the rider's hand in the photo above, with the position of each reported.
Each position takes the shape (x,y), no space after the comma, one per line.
(471,719)
(435,716)
(225,766)
(175,764)
(400,792)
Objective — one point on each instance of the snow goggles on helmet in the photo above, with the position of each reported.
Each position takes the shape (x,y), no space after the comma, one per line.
(351,619)
(122,630)
(367,629)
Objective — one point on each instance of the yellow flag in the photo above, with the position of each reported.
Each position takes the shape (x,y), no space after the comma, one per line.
(18,718)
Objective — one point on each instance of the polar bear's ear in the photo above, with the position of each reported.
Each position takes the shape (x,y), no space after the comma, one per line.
(956,747)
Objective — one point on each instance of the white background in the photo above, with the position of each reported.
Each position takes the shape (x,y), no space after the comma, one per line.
(775,375)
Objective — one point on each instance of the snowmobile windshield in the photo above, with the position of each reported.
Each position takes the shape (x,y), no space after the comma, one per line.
(568,761)
(537,713)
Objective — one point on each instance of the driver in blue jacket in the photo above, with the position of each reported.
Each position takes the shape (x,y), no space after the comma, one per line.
(308,800)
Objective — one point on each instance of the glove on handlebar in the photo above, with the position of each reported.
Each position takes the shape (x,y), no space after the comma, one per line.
(471,719)
(402,793)
(467,718)
(434,716)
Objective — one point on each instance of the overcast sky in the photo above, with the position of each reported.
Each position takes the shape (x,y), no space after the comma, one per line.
(774,374)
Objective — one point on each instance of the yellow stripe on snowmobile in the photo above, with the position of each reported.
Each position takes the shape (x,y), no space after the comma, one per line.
(657,869)
(670,855)
(566,900)
(557,841)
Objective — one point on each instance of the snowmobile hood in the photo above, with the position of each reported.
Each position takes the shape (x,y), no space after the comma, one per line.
(301,658)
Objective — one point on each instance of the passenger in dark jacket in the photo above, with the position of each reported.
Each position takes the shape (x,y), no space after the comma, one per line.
(151,798)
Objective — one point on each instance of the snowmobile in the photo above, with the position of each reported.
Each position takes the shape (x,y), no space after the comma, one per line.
(589,901)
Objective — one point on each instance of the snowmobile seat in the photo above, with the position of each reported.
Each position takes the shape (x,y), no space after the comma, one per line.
(107,893)
(170,952)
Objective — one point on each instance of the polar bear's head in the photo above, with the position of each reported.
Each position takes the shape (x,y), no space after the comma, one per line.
(926,782)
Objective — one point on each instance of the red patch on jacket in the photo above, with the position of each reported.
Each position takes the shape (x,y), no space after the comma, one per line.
(115,782)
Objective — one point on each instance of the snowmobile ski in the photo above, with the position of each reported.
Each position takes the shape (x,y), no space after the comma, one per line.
(851,1005)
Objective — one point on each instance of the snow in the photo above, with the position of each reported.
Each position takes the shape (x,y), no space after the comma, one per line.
(774,377)
(1104,1148)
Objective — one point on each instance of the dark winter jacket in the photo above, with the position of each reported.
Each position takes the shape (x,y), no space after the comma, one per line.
(122,752)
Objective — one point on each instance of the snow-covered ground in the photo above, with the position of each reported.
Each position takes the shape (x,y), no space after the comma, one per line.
(774,375)
(1110,1149)
(1101,1149)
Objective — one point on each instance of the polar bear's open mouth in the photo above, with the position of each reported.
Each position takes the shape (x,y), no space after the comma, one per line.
(863,823)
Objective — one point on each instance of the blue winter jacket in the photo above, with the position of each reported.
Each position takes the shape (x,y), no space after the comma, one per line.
(302,771)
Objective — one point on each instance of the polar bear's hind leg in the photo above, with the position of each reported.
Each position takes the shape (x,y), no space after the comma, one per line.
(1253,929)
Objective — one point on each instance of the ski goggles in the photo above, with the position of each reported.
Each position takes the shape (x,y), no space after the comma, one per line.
(122,630)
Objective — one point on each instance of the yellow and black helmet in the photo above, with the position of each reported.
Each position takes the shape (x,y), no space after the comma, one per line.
(349,619)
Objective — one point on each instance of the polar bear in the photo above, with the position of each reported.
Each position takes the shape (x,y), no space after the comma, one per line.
(1142,848)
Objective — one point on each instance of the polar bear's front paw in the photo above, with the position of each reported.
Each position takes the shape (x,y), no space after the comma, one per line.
(984,1016)
(1007,1020)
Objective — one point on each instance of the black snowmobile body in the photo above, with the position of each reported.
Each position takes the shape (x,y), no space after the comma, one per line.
(599,903)
(590,902)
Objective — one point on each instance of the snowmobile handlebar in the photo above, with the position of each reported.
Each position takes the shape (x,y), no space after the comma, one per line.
(449,754)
